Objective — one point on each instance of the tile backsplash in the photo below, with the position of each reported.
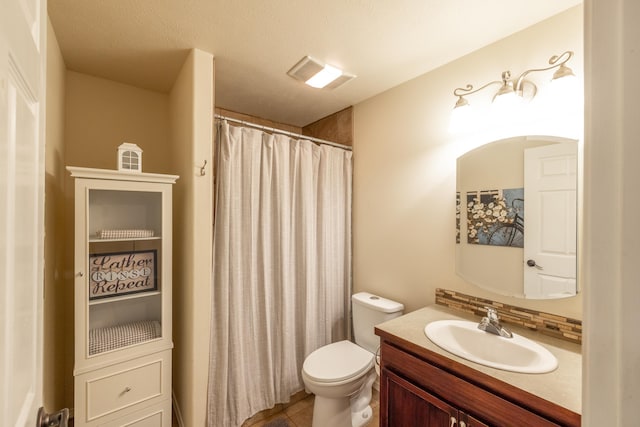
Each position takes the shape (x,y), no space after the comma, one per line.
(554,325)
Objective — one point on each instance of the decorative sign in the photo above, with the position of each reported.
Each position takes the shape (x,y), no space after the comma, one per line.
(122,273)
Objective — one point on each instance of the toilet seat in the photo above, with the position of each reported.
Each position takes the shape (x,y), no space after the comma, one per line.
(339,361)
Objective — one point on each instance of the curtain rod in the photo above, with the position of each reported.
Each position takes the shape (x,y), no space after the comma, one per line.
(283,132)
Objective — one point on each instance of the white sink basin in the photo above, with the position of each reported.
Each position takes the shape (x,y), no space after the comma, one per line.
(517,354)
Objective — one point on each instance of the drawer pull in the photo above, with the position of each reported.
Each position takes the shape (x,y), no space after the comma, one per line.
(126,390)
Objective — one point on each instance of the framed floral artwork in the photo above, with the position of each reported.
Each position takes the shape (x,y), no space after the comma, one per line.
(496,217)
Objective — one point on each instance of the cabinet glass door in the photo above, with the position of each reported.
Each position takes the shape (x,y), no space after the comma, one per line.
(124,295)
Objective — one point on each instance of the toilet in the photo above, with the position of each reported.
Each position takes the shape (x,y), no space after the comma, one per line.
(341,374)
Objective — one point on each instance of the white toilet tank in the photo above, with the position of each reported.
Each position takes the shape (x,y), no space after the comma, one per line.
(368,311)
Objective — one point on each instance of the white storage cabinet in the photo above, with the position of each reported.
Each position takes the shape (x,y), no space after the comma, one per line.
(122,260)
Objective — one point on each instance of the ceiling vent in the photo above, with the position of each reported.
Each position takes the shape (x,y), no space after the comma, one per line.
(317,74)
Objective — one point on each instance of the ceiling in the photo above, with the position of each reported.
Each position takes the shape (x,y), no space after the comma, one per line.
(255,42)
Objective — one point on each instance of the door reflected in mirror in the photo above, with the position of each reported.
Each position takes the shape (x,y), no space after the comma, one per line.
(516,217)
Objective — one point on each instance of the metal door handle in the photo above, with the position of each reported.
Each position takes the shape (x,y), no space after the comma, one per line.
(58,419)
(532,263)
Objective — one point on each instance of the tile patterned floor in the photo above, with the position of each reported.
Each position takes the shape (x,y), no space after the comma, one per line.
(300,413)
(297,413)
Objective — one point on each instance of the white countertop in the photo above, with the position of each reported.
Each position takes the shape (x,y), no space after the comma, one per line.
(562,386)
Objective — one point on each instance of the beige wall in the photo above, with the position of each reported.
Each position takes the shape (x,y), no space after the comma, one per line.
(102,114)
(191,115)
(405,164)
(58,312)
(99,115)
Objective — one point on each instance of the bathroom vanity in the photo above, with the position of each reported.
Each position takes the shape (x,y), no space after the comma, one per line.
(424,385)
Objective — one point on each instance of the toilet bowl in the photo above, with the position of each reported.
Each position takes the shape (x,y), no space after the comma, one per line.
(337,374)
(341,374)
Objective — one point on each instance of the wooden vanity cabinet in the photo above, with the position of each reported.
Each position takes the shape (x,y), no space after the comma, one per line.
(409,405)
(421,388)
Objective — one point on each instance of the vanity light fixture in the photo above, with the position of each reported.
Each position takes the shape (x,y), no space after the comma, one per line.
(317,74)
(519,88)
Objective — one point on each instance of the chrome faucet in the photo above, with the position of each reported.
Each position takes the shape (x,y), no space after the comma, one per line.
(492,324)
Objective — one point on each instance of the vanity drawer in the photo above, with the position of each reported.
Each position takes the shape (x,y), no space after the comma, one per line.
(126,386)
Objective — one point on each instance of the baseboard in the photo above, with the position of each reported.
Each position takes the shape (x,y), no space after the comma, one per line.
(176,409)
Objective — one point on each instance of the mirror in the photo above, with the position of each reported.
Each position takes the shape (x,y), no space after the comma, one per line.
(516,217)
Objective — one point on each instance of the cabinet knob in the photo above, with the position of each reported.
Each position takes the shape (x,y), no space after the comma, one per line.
(127,389)
(80,274)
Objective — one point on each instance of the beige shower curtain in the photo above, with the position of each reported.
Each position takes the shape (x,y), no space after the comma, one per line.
(281,268)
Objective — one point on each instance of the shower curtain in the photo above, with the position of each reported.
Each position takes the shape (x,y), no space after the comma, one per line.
(281,268)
